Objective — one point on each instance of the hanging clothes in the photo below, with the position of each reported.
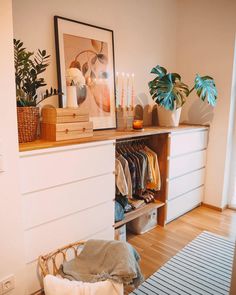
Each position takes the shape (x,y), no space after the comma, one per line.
(127,174)
(137,172)
(121,182)
(155,184)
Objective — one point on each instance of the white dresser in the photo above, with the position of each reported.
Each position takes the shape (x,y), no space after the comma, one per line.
(186,171)
(68,191)
(67,196)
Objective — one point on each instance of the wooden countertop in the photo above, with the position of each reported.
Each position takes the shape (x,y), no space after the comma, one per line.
(107,135)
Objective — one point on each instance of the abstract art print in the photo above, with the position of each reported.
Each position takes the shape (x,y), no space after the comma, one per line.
(85,57)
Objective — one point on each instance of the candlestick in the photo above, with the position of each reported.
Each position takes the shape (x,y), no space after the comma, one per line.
(122,90)
(132,90)
(128,91)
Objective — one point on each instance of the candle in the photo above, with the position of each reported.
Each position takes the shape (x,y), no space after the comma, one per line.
(128,89)
(122,89)
(132,90)
(138,124)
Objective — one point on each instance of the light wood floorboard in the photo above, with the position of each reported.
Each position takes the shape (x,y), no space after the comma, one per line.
(157,246)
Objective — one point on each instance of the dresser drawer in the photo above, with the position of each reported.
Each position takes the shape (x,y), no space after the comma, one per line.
(188,142)
(52,167)
(185,183)
(34,283)
(186,163)
(184,203)
(66,131)
(67,199)
(79,226)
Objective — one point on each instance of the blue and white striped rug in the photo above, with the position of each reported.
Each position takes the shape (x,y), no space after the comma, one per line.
(203,267)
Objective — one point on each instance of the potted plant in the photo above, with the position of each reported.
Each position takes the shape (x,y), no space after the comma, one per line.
(170,94)
(28,68)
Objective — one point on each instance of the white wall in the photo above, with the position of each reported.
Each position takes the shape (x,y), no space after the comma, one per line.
(205,45)
(11,240)
(144,31)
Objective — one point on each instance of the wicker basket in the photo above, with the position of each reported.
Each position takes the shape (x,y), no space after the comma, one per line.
(50,263)
(28,120)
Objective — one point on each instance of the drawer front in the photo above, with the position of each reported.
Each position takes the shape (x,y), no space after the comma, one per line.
(63,115)
(58,167)
(186,163)
(79,226)
(184,203)
(33,282)
(188,142)
(57,202)
(185,183)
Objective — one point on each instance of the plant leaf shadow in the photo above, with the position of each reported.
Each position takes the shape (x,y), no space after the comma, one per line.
(200,113)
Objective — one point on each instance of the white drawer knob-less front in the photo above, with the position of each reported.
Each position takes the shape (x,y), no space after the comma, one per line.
(186,173)
(67,196)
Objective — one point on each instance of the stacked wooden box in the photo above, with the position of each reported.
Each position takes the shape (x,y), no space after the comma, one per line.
(65,124)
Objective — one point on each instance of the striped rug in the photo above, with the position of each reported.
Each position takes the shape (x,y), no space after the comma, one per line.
(204,266)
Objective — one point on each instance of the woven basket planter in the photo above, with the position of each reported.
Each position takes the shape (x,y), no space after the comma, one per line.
(28,120)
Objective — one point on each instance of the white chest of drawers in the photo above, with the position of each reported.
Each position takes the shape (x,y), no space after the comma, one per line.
(67,196)
(186,171)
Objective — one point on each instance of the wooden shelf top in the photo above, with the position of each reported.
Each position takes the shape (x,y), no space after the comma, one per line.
(107,135)
(138,212)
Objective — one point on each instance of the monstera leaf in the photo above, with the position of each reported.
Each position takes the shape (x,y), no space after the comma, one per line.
(159,71)
(206,89)
(168,91)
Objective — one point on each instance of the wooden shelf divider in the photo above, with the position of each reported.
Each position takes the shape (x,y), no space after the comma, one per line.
(138,212)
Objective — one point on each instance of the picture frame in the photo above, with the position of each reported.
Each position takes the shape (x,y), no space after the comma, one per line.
(90,49)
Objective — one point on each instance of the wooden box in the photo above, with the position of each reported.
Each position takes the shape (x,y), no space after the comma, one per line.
(51,115)
(66,131)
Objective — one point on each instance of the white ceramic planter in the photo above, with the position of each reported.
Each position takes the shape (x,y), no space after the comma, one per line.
(71,97)
(168,118)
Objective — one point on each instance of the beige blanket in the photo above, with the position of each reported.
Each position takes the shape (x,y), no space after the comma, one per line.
(105,260)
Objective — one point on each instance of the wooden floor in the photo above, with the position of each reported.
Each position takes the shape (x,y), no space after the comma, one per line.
(157,246)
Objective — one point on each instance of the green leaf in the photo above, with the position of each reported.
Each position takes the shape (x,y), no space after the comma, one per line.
(169,91)
(206,89)
(159,71)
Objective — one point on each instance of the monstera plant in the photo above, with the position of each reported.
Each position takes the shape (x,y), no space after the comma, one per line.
(170,93)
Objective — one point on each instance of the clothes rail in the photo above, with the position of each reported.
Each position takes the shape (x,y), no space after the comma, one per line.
(131,140)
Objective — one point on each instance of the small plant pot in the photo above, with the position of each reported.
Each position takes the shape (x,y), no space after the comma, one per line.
(28,120)
(168,118)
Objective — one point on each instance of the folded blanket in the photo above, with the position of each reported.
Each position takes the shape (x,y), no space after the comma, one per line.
(58,286)
(105,260)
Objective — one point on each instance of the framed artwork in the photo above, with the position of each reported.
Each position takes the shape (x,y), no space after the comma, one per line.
(89,49)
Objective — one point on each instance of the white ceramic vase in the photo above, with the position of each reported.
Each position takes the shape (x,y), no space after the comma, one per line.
(168,118)
(71,97)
